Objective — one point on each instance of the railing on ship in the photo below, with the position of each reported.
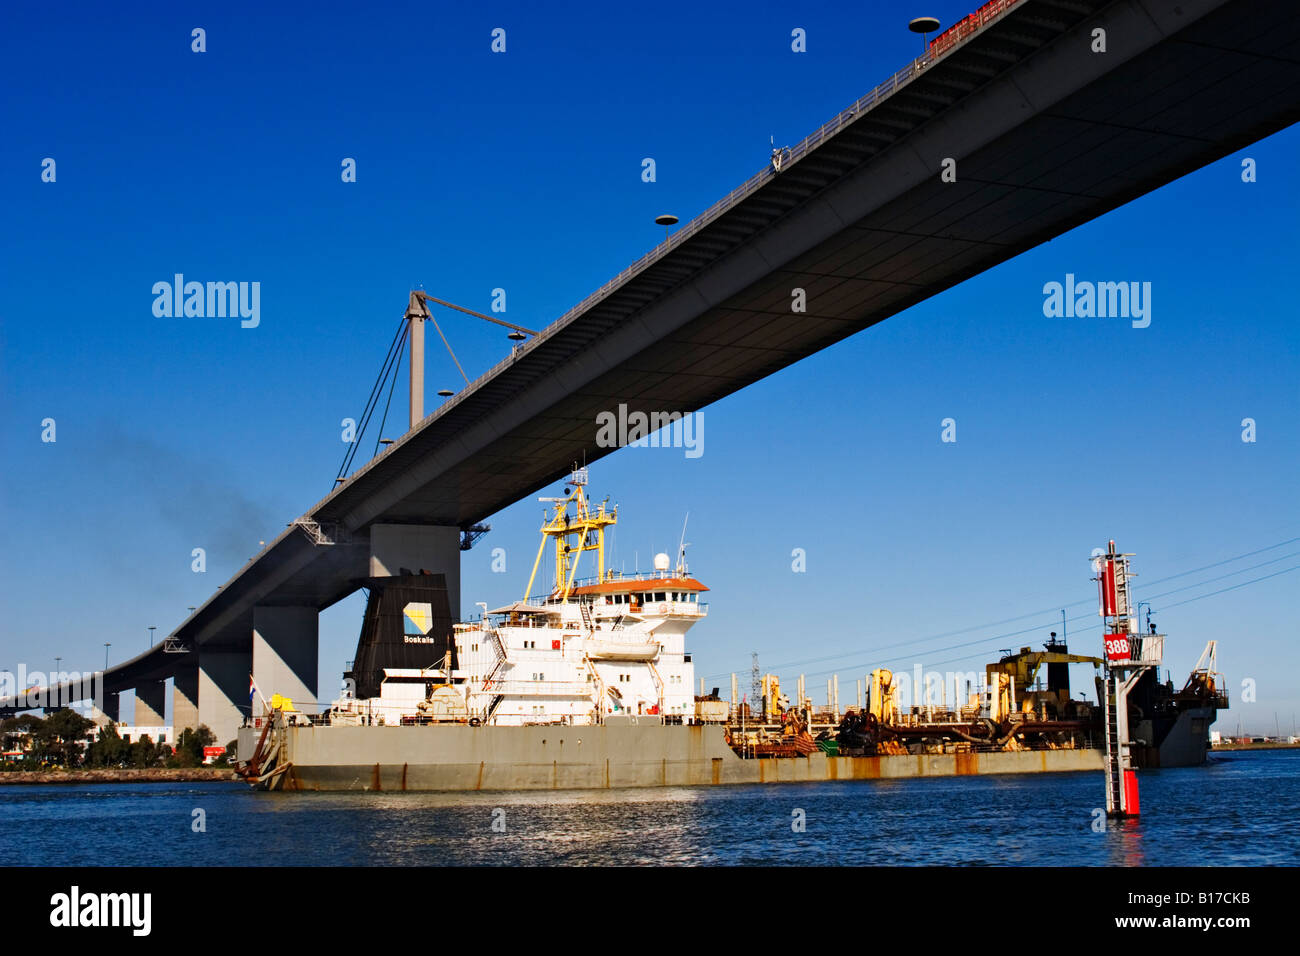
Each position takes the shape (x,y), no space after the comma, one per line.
(622,577)
(676,607)
(539,688)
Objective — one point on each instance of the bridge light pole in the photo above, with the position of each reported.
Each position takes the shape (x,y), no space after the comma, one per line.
(152,628)
(924,25)
(666,220)
(107,645)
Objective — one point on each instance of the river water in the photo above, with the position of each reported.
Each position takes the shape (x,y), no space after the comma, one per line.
(1239,809)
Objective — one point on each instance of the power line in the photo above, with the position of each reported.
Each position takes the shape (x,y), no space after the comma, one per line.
(953,647)
(1253,567)
(912,642)
(1234,586)
(933,637)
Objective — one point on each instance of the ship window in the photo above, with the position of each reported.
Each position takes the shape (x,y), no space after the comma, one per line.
(659,595)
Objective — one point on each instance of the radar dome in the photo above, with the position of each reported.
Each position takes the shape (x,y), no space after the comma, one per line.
(661,562)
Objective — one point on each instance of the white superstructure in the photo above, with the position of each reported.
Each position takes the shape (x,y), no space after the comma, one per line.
(607,646)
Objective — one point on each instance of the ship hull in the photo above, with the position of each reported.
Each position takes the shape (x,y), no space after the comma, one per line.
(555,757)
(1183,741)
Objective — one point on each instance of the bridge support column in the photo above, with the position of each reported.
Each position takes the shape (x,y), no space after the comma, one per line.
(433,548)
(151,703)
(223,689)
(185,698)
(286,650)
(105,710)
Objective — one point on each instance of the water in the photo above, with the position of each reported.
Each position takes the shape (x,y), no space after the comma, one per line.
(1239,809)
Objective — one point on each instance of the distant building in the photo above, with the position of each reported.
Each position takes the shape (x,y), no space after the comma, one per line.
(159,735)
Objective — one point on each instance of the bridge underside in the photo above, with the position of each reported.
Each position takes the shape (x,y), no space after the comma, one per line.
(867,228)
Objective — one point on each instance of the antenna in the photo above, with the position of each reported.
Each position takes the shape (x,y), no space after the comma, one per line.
(681,547)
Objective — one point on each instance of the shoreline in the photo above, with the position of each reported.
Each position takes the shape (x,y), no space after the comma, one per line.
(1224,748)
(120,775)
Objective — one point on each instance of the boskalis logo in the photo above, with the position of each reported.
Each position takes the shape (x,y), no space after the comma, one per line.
(106,910)
(211,300)
(417,619)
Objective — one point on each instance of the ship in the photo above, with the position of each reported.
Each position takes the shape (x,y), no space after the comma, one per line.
(1171,727)
(590,684)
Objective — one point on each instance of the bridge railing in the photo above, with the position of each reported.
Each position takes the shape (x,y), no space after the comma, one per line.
(963,28)
(969,26)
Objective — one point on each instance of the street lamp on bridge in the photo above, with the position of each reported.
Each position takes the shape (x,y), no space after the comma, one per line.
(924,25)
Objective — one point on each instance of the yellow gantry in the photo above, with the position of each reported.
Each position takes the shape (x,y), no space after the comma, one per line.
(587,525)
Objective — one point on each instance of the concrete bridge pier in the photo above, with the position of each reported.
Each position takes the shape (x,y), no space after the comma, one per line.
(223,689)
(151,703)
(286,654)
(185,697)
(108,709)
(433,548)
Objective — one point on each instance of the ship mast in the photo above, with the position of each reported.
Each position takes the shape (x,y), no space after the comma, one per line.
(587,525)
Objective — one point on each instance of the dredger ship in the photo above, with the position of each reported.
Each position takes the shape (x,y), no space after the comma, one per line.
(591,686)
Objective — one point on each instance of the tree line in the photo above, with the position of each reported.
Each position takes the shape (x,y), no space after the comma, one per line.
(59,740)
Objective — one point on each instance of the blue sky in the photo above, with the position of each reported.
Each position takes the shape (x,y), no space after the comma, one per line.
(522,171)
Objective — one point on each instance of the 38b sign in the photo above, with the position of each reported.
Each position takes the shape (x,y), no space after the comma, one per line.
(1117,648)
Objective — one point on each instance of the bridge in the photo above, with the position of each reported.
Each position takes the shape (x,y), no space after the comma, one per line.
(1046,133)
